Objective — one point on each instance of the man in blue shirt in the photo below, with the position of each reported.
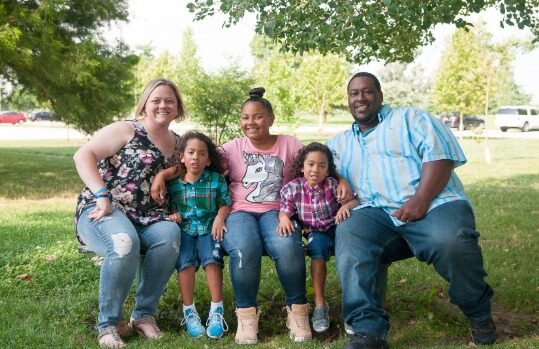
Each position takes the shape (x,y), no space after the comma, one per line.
(400,162)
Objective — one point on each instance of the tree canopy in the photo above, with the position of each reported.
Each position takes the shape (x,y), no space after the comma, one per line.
(362,31)
(54,49)
(472,67)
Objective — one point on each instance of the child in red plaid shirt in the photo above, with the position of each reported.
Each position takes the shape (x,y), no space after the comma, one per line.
(312,196)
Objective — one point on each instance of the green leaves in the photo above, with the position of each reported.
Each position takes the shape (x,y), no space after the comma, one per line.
(54,50)
(362,31)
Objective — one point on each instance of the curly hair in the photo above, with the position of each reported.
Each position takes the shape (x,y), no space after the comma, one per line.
(297,165)
(216,160)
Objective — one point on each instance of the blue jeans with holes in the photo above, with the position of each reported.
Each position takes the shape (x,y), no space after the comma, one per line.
(121,242)
(445,237)
(249,234)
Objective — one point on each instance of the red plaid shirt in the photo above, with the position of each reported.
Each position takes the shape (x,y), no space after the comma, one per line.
(316,206)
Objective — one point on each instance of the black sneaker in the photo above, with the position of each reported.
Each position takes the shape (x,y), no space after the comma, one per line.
(363,340)
(484,332)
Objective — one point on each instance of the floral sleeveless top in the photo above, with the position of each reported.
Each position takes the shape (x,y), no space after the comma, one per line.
(128,176)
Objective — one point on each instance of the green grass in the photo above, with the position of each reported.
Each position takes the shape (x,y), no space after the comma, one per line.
(48,291)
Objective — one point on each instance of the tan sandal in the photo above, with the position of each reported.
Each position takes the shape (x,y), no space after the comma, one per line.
(146,327)
(109,338)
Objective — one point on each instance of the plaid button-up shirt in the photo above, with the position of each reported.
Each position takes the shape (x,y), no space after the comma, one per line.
(198,202)
(316,206)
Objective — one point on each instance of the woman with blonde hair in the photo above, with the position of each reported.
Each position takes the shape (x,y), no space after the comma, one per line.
(116,217)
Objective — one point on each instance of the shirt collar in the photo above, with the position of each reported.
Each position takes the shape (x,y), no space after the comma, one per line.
(203,177)
(382,115)
(318,187)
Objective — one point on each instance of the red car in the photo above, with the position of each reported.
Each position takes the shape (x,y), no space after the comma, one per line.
(12,117)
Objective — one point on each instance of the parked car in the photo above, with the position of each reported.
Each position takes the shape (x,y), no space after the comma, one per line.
(12,117)
(523,117)
(40,115)
(452,120)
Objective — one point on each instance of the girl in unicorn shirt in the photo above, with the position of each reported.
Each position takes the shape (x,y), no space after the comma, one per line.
(258,166)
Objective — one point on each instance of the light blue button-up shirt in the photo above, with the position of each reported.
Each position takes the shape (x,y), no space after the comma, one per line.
(383,165)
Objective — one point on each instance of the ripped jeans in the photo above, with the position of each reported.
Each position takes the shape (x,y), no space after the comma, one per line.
(121,242)
(249,234)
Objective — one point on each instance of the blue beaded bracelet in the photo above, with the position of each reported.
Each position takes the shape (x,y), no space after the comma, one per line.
(100,191)
(104,195)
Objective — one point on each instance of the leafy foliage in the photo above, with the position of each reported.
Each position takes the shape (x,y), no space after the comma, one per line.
(275,71)
(216,102)
(54,49)
(406,86)
(322,83)
(362,31)
(312,82)
(461,81)
(472,67)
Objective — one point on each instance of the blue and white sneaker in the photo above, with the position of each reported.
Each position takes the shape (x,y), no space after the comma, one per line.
(216,324)
(192,323)
(348,329)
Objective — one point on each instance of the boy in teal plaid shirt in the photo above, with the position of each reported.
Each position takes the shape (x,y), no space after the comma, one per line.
(200,202)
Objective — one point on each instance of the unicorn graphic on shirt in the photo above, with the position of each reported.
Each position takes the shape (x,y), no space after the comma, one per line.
(266,173)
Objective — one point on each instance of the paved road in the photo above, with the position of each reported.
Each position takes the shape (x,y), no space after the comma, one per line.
(56,130)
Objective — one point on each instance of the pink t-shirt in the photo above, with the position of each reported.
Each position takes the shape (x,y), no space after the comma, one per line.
(257,175)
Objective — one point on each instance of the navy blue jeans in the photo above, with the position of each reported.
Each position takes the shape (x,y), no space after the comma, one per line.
(249,234)
(446,238)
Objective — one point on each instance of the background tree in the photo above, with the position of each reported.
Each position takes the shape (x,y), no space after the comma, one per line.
(19,99)
(322,83)
(312,82)
(188,70)
(216,102)
(461,79)
(362,31)
(165,65)
(406,85)
(276,72)
(54,49)
(505,90)
(470,64)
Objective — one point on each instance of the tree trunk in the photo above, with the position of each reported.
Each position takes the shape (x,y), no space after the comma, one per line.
(323,115)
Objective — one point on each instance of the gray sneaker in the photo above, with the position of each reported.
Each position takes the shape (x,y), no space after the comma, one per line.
(348,329)
(320,319)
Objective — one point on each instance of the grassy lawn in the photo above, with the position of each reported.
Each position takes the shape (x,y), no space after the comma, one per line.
(48,291)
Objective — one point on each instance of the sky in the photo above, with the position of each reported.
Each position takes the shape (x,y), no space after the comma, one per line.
(161,23)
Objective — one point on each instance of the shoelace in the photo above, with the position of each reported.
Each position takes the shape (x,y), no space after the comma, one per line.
(217,318)
(193,316)
(245,323)
(301,321)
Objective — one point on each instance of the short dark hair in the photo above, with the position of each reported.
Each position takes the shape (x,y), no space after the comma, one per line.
(297,165)
(257,95)
(366,75)
(215,157)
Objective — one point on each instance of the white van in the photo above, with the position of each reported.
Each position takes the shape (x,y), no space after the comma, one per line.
(522,117)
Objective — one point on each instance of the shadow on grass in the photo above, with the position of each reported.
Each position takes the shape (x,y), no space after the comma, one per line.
(61,293)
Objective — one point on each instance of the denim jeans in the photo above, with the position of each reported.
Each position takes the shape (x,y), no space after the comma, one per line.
(249,234)
(445,237)
(121,242)
(321,244)
(199,250)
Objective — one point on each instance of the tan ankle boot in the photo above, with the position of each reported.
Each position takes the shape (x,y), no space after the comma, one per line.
(247,325)
(298,322)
